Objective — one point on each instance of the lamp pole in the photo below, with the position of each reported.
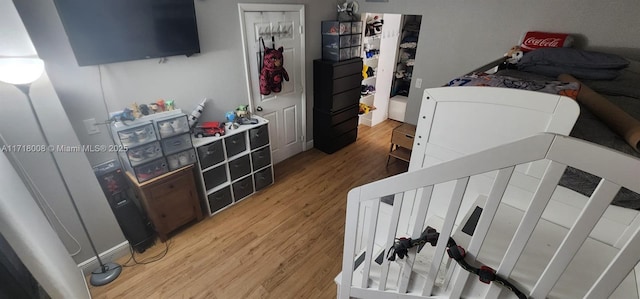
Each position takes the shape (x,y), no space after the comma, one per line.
(109,271)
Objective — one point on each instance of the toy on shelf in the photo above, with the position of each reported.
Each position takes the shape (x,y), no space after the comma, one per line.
(195,114)
(210,128)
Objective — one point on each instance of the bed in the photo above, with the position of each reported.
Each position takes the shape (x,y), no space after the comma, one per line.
(442,191)
(620,86)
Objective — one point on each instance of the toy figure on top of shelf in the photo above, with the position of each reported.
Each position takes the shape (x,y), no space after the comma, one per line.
(374,26)
(348,11)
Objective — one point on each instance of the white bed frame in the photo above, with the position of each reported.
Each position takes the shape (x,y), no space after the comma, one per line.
(456,130)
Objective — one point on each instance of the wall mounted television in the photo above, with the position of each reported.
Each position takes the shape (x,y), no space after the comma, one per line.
(107,31)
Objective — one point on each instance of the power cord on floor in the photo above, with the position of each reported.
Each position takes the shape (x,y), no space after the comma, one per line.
(148,260)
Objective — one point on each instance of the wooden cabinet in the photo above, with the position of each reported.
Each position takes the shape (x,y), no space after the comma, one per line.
(402,142)
(171,200)
(336,91)
(235,165)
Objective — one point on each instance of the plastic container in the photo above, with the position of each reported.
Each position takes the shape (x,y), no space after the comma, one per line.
(132,136)
(175,144)
(181,159)
(144,153)
(172,126)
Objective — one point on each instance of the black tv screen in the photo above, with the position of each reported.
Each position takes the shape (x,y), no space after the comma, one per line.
(106,31)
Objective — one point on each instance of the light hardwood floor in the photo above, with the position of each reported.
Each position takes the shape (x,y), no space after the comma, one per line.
(282,242)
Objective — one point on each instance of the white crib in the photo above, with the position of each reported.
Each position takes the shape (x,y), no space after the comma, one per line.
(549,240)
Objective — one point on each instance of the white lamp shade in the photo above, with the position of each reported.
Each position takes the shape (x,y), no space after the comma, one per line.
(16,70)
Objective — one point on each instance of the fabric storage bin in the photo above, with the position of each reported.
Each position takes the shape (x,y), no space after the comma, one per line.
(214,177)
(239,167)
(211,154)
(136,135)
(263,178)
(171,126)
(220,199)
(175,144)
(242,188)
(261,158)
(144,153)
(259,136)
(150,170)
(181,159)
(235,144)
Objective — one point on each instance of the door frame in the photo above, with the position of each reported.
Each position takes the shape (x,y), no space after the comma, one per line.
(260,7)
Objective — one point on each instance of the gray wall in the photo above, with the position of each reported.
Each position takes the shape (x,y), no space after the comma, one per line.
(458,36)
(216,73)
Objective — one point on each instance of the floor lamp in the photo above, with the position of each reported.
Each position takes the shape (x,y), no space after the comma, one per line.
(21,72)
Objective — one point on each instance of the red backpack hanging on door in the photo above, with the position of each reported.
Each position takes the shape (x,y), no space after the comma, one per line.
(272,71)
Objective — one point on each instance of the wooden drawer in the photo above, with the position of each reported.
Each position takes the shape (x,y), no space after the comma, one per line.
(338,129)
(346,83)
(170,185)
(324,119)
(348,68)
(403,136)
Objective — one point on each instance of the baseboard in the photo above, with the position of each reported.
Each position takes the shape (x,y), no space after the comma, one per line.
(309,145)
(109,255)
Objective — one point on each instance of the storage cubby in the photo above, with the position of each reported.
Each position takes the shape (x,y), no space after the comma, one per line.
(234,166)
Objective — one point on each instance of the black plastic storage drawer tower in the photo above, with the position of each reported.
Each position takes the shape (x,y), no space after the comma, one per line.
(336,90)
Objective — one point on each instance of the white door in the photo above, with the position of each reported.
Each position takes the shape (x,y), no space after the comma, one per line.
(279,25)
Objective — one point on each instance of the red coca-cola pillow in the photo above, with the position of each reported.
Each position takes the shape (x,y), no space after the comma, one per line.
(536,39)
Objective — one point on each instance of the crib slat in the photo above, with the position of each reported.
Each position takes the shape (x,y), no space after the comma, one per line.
(423,208)
(350,230)
(595,207)
(373,223)
(447,229)
(393,228)
(626,259)
(541,198)
(482,228)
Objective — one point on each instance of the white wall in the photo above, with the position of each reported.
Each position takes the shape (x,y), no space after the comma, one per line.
(25,228)
(458,36)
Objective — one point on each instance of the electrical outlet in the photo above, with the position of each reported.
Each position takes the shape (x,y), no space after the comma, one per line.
(418,82)
(90,125)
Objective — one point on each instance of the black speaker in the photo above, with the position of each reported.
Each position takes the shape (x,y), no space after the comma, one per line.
(132,220)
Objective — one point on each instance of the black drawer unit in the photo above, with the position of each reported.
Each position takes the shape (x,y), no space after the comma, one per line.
(235,144)
(243,188)
(211,154)
(263,178)
(336,91)
(259,137)
(220,199)
(239,167)
(261,158)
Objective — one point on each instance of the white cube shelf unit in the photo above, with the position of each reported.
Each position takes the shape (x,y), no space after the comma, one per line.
(234,166)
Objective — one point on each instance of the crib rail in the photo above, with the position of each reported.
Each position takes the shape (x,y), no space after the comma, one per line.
(366,275)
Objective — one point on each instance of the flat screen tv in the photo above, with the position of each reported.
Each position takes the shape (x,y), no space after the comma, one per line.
(107,31)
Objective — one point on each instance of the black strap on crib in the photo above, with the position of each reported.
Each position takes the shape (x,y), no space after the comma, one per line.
(486,275)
